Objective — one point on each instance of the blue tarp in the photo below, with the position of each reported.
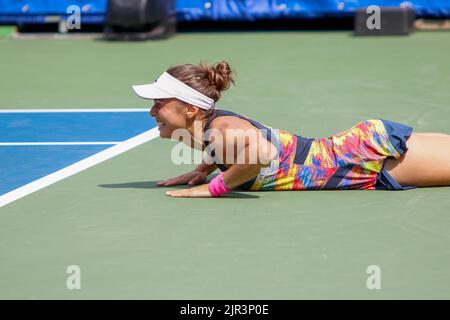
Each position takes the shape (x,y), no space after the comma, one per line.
(39,11)
(250,10)
(93,11)
(50,6)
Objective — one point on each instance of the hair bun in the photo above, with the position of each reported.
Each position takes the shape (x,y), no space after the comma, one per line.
(210,80)
(220,75)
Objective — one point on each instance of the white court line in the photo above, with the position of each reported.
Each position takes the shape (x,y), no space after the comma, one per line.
(78,166)
(70,110)
(7,144)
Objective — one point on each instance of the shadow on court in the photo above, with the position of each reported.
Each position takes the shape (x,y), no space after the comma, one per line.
(152,185)
(134,185)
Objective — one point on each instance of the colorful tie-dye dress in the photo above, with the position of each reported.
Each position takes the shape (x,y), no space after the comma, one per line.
(353,159)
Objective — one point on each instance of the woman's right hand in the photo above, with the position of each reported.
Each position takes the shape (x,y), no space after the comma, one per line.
(190,178)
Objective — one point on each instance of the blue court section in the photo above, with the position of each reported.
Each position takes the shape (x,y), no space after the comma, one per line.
(22,164)
(73,126)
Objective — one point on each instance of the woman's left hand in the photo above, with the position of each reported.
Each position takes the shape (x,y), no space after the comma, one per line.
(201,191)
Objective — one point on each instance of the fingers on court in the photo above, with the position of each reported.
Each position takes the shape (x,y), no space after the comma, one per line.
(179,193)
(194,180)
(162,183)
(171,182)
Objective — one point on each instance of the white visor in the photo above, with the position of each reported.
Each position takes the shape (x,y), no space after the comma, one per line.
(167,86)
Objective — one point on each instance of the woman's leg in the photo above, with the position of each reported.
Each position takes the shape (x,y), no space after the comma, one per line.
(426,163)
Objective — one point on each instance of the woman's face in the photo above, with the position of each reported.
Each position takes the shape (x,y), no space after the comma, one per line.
(168,116)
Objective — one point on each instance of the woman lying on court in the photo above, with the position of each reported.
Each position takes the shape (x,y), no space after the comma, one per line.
(373,154)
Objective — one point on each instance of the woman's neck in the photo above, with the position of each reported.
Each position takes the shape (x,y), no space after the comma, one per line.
(196,131)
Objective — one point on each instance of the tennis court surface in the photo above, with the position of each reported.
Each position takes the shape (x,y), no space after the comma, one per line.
(69,101)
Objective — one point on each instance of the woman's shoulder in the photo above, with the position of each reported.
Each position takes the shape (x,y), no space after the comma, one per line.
(230,120)
(223,119)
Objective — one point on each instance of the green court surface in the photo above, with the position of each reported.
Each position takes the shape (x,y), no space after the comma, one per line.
(133,242)
(6,30)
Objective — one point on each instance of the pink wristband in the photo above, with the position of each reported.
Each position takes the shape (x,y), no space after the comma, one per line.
(217,187)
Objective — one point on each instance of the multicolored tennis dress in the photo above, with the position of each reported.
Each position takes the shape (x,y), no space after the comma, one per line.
(353,159)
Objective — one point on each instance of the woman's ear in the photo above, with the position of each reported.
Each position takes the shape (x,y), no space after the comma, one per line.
(192,111)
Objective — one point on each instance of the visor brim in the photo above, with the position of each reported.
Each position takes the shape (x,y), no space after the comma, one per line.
(150,91)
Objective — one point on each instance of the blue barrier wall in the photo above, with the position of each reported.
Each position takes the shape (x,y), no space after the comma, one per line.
(249,10)
(41,11)
(22,11)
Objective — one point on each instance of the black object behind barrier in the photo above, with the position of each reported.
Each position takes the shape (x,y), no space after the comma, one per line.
(140,19)
(384,21)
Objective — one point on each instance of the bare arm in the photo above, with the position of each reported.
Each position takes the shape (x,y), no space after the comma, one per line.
(238,174)
(254,154)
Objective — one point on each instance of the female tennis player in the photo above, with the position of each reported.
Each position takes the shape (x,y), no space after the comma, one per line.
(373,154)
